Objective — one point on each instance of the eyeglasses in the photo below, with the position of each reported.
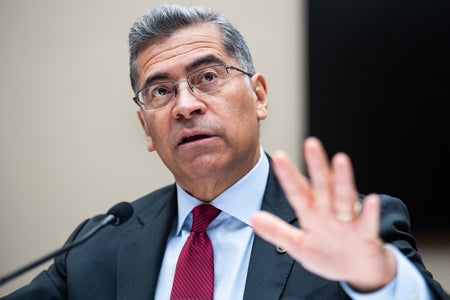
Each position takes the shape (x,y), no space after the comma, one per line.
(204,81)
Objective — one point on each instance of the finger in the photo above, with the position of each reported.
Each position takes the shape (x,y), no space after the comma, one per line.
(370,216)
(319,171)
(293,183)
(276,231)
(344,189)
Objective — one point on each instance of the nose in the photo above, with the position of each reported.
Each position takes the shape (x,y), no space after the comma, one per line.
(187,103)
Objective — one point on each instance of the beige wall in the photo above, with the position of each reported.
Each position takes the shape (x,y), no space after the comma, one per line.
(71,145)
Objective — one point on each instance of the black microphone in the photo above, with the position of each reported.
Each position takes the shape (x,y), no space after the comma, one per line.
(116,215)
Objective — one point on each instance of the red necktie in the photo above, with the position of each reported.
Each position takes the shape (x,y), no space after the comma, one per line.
(194,274)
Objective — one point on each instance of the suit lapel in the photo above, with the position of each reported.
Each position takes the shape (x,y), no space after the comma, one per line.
(268,268)
(142,250)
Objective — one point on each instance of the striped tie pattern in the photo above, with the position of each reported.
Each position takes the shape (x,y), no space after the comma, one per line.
(194,273)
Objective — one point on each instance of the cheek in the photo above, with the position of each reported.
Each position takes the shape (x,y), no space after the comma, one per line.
(244,106)
(241,115)
(155,130)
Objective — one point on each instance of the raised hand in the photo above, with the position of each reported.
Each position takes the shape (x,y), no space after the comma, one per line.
(338,237)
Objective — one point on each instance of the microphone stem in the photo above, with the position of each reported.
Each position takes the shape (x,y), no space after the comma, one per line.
(57,252)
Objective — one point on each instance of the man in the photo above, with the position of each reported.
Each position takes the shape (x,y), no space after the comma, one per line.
(200,103)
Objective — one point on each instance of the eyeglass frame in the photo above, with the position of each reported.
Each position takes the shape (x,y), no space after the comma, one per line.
(191,88)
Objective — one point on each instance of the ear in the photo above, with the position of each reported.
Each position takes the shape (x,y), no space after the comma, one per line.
(259,87)
(148,138)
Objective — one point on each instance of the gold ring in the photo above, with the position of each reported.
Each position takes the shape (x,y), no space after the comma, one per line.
(349,215)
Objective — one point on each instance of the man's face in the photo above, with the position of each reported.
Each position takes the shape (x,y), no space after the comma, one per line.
(209,139)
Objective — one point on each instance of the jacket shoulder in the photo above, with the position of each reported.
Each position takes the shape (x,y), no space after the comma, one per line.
(155,197)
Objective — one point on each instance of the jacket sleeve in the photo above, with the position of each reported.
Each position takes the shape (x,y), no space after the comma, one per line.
(396,230)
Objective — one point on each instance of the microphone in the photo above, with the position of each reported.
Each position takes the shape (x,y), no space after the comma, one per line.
(116,215)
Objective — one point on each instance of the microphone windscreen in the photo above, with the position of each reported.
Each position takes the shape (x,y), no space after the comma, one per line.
(122,211)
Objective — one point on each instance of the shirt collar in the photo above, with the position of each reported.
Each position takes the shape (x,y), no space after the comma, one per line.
(241,200)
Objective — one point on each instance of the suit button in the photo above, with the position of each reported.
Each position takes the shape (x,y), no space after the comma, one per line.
(280,250)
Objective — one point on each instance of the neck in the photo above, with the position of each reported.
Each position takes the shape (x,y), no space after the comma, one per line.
(208,188)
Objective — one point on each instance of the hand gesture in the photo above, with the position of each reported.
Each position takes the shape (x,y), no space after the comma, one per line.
(338,237)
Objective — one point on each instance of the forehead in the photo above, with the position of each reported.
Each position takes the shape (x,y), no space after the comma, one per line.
(183,47)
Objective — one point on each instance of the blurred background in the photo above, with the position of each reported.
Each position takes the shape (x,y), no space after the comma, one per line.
(378,76)
(367,77)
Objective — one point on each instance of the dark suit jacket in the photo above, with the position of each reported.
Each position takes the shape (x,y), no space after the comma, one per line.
(123,262)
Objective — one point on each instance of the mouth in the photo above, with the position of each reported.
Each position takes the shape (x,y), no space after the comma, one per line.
(192,138)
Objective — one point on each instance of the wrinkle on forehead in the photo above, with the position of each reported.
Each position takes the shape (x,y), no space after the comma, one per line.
(162,54)
(188,42)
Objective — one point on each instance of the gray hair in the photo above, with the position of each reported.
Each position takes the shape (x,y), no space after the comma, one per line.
(161,22)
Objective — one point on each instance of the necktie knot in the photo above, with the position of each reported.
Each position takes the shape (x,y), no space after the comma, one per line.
(203,215)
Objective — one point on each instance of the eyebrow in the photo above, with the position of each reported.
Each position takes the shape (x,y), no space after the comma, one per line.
(201,61)
(206,60)
(151,79)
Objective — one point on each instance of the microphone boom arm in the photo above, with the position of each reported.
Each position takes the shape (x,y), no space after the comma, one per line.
(124,211)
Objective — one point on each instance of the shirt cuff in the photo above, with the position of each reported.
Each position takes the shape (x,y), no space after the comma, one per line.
(408,283)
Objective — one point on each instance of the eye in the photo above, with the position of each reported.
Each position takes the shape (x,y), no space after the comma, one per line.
(204,77)
(157,95)
(160,90)
(209,76)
